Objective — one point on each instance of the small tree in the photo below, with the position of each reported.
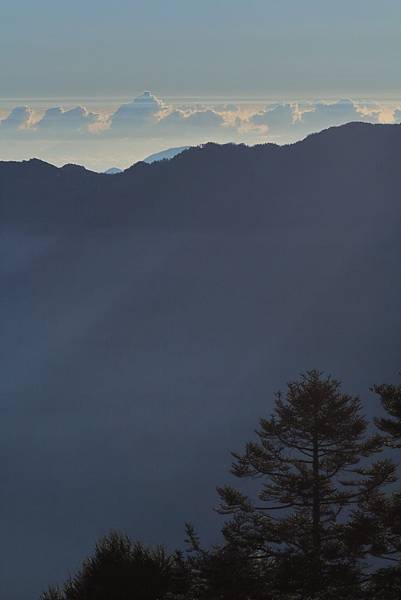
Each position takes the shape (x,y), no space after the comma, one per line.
(311,461)
(122,570)
(53,593)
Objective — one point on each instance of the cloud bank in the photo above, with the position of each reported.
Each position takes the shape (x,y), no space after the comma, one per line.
(308,118)
(58,121)
(147,124)
(140,114)
(148,115)
(19,118)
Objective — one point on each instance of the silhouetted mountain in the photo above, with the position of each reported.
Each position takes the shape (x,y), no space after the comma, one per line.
(165,154)
(214,185)
(148,318)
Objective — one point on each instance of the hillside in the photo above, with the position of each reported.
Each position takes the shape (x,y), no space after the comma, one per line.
(148,318)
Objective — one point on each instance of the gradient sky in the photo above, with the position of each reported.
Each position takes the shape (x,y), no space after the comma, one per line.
(218,47)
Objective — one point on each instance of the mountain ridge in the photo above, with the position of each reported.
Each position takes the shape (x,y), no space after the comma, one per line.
(148,319)
(354,125)
(226,173)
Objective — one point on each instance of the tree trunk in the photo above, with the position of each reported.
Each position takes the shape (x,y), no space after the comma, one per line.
(316,537)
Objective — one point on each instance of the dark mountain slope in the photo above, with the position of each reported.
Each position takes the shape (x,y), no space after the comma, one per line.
(229,184)
(148,318)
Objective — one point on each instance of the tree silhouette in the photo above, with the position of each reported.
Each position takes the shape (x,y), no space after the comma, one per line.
(390,396)
(385,584)
(376,525)
(225,572)
(121,570)
(311,461)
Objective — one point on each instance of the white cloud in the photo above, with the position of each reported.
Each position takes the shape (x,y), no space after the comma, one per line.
(148,116)
(291,121)
(19,118)
(57,121)
(141,113)
(325,115)
(397,116)
(276,118)
(198,118)
(144,126)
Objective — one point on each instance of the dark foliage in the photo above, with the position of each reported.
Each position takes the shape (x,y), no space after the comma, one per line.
(320,526)
(227,572)
(390,396)
(122,570)
(385,584)
(376,526)
(310,462)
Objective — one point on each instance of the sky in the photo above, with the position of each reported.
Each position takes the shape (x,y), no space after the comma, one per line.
(213,47)
(193,56)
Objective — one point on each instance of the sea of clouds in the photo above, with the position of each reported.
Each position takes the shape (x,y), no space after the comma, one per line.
(119,136)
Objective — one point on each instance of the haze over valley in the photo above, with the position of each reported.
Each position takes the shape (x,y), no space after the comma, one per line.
(150,316)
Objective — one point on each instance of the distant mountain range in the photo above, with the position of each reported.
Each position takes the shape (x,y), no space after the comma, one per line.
(113,171)
(225,185)
(165,154)
(147,320)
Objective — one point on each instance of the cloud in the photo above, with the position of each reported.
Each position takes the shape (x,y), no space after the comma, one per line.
(224,108)
(57,121)
(291,121)
(276,119)
(147,122)
(147,115)
(142,112)
(230,107)
(179,121)
(397,116)
(19,118)
(325,115)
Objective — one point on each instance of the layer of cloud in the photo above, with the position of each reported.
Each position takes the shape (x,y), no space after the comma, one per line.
(178,121)
(20,117)
(276,118)
(325,115)
(303,119)
(59,121)
(134,116)
(397,116)
(148,118)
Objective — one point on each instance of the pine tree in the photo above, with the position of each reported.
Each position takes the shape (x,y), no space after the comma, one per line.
(311,459)
(224,572)
(390,396)
(376,525)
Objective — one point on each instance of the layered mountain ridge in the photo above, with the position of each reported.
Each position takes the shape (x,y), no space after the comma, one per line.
(148,319)
(222,184)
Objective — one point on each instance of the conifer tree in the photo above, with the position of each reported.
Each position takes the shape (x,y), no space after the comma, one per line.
(390,425)
(376,525)
(120,569)
(224,572)
(311,460)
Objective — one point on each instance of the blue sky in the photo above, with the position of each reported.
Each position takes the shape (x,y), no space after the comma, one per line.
(211,47)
